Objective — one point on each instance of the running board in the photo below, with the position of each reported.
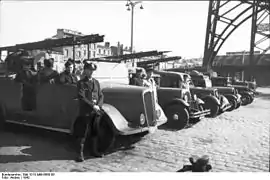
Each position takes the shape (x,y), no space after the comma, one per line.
(40,126)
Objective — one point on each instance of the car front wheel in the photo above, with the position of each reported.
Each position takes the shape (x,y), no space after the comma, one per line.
(210,103)
(233,103)
(245,99)
(178,116)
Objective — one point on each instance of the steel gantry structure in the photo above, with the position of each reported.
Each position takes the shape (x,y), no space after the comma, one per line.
(221,24)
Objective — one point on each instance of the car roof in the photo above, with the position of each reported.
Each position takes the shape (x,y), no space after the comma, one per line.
(170,73)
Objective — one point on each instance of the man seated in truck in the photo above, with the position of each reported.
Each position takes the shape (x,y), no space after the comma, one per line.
(68,76)
(47,74)
(27,77)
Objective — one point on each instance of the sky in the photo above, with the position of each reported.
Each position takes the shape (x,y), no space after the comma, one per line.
(177,26)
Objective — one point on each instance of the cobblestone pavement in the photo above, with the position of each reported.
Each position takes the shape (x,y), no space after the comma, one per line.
(235,141)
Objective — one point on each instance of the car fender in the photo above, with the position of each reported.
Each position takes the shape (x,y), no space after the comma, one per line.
(231,96)
(115,119)
(199,101)
(216,100)
(177,101)
(246,93)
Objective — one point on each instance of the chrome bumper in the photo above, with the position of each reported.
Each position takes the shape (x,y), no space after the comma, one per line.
(200,113)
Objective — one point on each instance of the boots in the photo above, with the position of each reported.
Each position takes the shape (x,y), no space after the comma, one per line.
(80,157)
(94,147)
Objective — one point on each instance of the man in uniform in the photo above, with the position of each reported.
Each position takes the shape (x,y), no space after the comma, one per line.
(68,77)
(185,83)
(47,74)
(27,77)
(138,80)
(150,82)
(90,101)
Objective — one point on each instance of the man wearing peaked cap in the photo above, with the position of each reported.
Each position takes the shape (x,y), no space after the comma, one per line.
(89,65)
(90,102)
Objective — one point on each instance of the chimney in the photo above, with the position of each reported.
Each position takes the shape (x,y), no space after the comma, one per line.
(121,49)
(60,33)
(107,44)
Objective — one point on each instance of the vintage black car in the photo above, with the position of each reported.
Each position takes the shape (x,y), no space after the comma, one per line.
(247,95)
(230,93)
(178,103)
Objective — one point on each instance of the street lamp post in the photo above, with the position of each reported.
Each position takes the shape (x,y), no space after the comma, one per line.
(243,63)
(132,5)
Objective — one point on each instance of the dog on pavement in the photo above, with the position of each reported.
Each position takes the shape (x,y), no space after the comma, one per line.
(198,164)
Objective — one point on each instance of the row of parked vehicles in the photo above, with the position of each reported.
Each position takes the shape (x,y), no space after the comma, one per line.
(128,109)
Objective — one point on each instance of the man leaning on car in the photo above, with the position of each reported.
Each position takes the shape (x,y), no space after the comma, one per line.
(90,102)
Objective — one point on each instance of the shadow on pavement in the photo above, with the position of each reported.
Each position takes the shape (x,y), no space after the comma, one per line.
(264,95)
(21,144)
(167,127)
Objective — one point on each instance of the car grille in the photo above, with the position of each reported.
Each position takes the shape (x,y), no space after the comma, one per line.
(149,105)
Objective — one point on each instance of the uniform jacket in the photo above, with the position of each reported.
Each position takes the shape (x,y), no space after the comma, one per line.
(27,77)
(89,94)
(47,75)
(67,78)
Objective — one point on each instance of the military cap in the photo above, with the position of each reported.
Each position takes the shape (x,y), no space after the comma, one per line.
(48,62)
(70,60)
(89,65)
(27,60)
(68,63)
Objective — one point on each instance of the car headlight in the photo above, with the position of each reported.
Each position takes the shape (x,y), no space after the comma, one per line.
(217,94)
(142,119)
(195,97)
(158,113)
(186,98)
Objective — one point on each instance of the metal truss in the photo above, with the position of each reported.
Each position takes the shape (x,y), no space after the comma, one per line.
(224,17)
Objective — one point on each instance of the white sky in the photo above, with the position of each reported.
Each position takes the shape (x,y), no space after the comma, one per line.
(177,26)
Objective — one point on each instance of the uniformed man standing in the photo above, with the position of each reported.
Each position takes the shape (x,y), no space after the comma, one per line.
(90,101)
(68,77)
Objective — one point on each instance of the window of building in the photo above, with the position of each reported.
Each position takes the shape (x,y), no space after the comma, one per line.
(66,52)
(89,54)
(84,53)
(104,52)
(99,51)
(94,54)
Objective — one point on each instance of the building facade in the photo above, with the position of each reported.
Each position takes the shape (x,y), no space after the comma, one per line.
(95,50)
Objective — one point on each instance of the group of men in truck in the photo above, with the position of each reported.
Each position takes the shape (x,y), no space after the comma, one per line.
(89,93)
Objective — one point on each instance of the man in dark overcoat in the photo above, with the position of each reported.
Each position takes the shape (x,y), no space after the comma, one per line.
(90,102)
